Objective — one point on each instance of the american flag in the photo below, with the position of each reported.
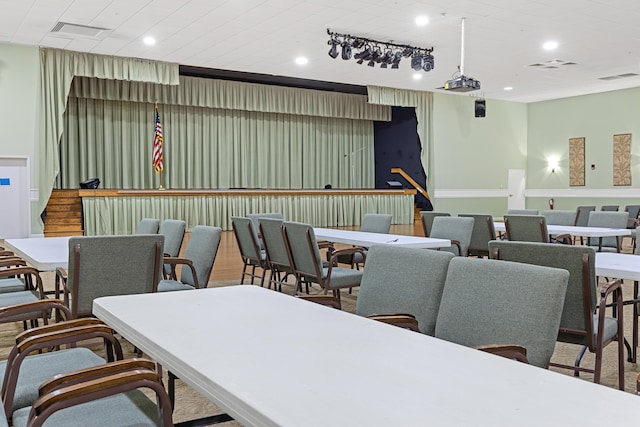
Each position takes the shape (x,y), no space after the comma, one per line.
(157,145)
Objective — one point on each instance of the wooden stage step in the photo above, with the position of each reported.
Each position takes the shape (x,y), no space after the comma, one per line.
(63,214)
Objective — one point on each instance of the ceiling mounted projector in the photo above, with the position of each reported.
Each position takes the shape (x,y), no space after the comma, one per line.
(462,83)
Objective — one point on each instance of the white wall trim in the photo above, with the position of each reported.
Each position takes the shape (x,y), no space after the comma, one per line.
(600,193)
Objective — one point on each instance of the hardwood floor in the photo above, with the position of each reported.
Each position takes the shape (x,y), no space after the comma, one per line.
(228,264)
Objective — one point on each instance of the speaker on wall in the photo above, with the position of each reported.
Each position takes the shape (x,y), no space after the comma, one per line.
(481,107)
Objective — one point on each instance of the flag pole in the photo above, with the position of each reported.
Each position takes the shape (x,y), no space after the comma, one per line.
(158,157)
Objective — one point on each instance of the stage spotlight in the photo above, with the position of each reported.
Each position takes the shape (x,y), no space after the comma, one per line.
(357,43)
(371,63)
(407,52)
(364,55)
(376,55)
(428,63)
(333,52)
(396,60)
(416,62)
(346,51)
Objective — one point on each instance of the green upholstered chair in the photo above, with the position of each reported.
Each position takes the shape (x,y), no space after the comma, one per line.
(483,232)
(609,208)
(579,324)
(197,262)
(252,256)
(306,262)
(527,212)
(109,265)
(400,280)
(427,220)
(607,219)
(633,221)
(107,395)
(496,303)
(32,361)
(275,252)
(11,282)
(456,229)
(173,232)
(148,226)
(255,222)
(371,223)
(582,215)
(526,228)
(559,217)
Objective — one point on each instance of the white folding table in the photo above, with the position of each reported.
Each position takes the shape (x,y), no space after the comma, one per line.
(577,231)
(362,238)
(43,253)
(269,359)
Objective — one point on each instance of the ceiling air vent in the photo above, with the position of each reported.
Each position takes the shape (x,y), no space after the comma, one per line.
(552,64)
(66,29)
(619,76)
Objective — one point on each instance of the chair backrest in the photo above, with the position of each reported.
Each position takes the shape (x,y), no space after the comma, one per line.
(302,249)
(246,238)
(607,219)
(403,280)
(255,217)
(528,212)
(376,223)
(526,228)
(274,246)
(201,250)
(483,232)
(173,232)
(634,213)
(427,220)
(582,215)
(581,298)
(609,208)
(488,302)
(559,217)
(148,226)
(112,265)
(453,228)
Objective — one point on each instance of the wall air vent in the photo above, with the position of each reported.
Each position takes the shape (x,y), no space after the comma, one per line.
(66,29)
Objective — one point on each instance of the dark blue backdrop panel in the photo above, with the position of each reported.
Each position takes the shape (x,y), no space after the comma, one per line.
(397,145)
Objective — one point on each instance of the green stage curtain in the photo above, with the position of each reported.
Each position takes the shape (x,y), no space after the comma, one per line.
(212,148)
(58,68)
(120,215)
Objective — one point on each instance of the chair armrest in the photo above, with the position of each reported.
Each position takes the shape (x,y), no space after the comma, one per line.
(12,261)
(609,288)
(42,306)
(4,252)
(348,251)
(95,372)
(325,244)
(173,262)
(510,351)
(459,246)
(326,300)
(93,388)
(401,320)
(29,273)
(563,238)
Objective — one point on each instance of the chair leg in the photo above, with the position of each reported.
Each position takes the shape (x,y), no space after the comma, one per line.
(597,371)
(635,323)
(576,373)
(171,389)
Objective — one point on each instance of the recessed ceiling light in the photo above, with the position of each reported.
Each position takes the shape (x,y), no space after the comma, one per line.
(301,60)
(422,20)
(508,88)
(150,41)
(417,76)
(550,45)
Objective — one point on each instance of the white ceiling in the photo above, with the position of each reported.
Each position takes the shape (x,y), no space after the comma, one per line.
(503,37)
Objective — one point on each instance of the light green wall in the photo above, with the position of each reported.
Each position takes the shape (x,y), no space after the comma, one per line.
(476,153)
(19,83)
(595,117)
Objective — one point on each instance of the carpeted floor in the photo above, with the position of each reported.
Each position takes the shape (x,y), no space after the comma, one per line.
(190,405)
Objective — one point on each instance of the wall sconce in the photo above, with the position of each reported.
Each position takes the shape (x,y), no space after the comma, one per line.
(553,164)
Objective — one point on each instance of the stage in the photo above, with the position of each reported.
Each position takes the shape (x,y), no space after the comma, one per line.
(119,211)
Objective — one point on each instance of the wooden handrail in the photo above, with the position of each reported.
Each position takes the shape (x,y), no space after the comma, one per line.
(411,181)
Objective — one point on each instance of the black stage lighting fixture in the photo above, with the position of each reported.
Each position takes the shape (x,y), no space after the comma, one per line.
(376,55)
(416,62)
(346,51)
(480,108)
(428,63)
(396,60)
(333,52)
